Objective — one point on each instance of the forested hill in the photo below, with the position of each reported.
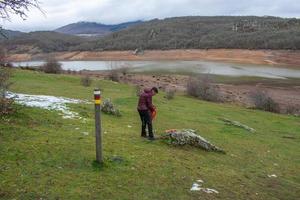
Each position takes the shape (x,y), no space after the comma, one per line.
(177,33)
(208,32)
(41,42)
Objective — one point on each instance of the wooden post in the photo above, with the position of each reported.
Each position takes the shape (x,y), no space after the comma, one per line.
(99,154)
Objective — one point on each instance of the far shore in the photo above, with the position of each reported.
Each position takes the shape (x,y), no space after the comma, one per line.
(287,58)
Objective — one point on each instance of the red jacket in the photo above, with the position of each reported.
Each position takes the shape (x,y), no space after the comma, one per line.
(145,101)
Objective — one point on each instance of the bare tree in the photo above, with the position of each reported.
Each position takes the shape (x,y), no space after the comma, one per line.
(18,7)
(2,56)
(52,66)
(263,101)
(203,88)
(7,7)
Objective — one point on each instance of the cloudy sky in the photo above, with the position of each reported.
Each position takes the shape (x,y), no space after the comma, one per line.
(61,12)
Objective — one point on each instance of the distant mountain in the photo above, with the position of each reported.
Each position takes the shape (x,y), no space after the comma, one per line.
(9,34)
(42,41)
(92,28)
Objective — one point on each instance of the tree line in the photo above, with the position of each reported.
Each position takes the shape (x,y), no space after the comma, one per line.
(247,32)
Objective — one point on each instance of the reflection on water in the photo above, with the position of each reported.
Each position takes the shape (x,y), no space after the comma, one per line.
(218,68)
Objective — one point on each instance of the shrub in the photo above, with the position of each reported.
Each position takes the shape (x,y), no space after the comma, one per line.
(114,75)
(52,67)
(5,74)
(124,70)
(293,110)
(170,94)
(109,108)
(6,106)
(203,88)
(2,56)
(5,103)
(86,81)
(192,87)
(263,101)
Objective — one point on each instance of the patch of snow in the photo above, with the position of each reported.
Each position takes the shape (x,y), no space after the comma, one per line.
(198,187)
(209,190)
(272,176)
(48,103)
(85,133)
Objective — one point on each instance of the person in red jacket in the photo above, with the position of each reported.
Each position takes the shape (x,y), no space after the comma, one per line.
(145,108)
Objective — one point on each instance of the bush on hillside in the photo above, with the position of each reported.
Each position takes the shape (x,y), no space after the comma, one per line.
(203,88)
(263,101)
(6,106)
(114,75)
(2,56)
(5,103)
(52,66)
(170,94)
(292,110)
(5,74)
(86,81)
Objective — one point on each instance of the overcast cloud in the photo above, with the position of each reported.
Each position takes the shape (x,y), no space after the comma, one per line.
(62,12)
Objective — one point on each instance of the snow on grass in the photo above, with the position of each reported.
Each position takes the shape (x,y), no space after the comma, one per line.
(272,176)
(198,187)
(48,103)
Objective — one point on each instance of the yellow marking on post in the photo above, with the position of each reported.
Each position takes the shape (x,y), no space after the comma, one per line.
(98,101)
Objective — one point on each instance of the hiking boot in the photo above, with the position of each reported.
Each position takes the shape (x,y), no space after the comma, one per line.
(151,138)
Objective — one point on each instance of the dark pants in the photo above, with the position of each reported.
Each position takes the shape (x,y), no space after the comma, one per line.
(146,122)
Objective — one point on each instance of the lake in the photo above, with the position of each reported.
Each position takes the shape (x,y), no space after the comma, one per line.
(198,67)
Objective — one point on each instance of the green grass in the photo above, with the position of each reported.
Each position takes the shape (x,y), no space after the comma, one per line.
(43,156)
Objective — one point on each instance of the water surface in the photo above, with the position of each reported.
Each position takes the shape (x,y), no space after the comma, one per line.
(199,67)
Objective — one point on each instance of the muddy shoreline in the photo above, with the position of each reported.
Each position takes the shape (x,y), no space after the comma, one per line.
(238,93)
(287,95)
(287,58)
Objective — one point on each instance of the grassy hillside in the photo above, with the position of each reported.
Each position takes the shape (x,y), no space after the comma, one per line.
(43,156)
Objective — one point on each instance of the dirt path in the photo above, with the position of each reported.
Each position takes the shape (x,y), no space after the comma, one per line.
(266,57)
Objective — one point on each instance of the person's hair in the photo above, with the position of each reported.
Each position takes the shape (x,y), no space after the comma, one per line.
(155,89)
